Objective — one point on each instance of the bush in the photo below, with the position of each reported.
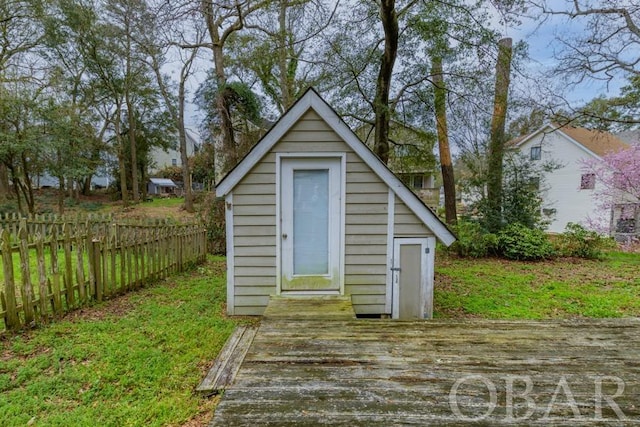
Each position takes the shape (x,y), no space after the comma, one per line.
(212,214)
(577,241)
(472,241)
(519,242)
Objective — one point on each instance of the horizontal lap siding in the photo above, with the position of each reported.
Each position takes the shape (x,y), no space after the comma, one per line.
(366,237)
(254,219)
(365,223)
(406,223)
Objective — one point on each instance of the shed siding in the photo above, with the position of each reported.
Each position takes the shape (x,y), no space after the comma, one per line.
(254,219)
(406,223)
(365,223)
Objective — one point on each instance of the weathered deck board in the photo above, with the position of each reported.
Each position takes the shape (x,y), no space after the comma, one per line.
(319,307)
(228,362)
(381,372)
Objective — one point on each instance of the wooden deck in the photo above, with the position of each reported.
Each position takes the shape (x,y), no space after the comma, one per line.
(343,371)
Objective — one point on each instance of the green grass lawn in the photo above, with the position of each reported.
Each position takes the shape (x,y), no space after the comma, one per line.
(134,360)
(561,288)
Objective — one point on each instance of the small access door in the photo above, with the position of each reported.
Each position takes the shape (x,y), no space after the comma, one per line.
(413,260)
(310,205)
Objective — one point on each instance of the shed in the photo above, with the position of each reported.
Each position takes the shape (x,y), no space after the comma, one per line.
(311,210)
(159,186)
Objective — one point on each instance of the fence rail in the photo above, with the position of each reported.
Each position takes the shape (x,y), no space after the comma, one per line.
(68,264)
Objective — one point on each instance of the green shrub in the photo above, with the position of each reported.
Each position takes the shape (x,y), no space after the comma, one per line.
(8,207)
(519,242)
(472,241)
(212,214)
(579,242)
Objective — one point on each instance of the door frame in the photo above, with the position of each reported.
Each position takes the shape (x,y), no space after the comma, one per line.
(342,158)
(427,250)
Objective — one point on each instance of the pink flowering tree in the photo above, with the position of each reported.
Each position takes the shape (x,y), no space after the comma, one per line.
(617,178)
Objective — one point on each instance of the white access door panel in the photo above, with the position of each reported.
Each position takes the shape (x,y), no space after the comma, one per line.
(310,205)
(413,260)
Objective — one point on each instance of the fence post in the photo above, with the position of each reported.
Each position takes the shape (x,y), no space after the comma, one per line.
(68,271)
(112,253)
(82,286)
(88,239)
(97,274)
(12,320)
(53,244)
(42,276)
(27,290)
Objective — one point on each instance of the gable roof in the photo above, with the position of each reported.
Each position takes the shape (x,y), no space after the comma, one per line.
(163,182)
(311,100)
(597,142)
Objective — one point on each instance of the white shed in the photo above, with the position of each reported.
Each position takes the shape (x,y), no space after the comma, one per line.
(160,186)
(312,210)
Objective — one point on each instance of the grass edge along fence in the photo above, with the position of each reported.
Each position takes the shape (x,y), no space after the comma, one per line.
(87,261)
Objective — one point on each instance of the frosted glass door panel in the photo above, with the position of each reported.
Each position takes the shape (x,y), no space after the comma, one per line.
(311,222)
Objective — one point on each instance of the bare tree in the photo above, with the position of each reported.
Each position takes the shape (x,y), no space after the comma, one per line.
(223,19)
(446,165)
(157,44)
(497,141)
(609,43)
(291,30)
(19,33)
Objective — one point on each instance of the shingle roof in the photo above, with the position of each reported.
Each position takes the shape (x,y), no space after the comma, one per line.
(597,141)
(163,182)
(600,142)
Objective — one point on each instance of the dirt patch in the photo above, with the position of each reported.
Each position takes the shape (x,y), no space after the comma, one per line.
(149,211)
(205,414)
(115,307)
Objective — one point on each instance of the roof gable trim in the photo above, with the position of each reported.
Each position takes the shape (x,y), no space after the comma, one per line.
(312,100)
(559,130)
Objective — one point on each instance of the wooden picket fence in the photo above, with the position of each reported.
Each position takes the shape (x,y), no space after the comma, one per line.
(81,261)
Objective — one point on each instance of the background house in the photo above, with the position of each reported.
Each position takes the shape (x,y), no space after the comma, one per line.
(160,158)
(569,193)
(161,187)
(411,159)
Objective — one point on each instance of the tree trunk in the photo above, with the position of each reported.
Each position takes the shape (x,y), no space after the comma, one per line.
(230,152)
(86,186)
(389,20)
(61,195)
(135,186)
(184,157)
(496,143)
(121,159)
(446,165)
(27,187)
(4,182)
(283,65)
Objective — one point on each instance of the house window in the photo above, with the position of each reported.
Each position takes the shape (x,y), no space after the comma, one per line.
(402,150)
(588,181)
(626,225)
(416,181)
(174,162)
(536,153)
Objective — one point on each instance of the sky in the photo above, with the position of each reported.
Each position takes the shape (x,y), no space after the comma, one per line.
(542,44)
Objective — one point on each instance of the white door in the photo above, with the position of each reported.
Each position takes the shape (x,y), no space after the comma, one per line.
(310,224)
(413,260)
